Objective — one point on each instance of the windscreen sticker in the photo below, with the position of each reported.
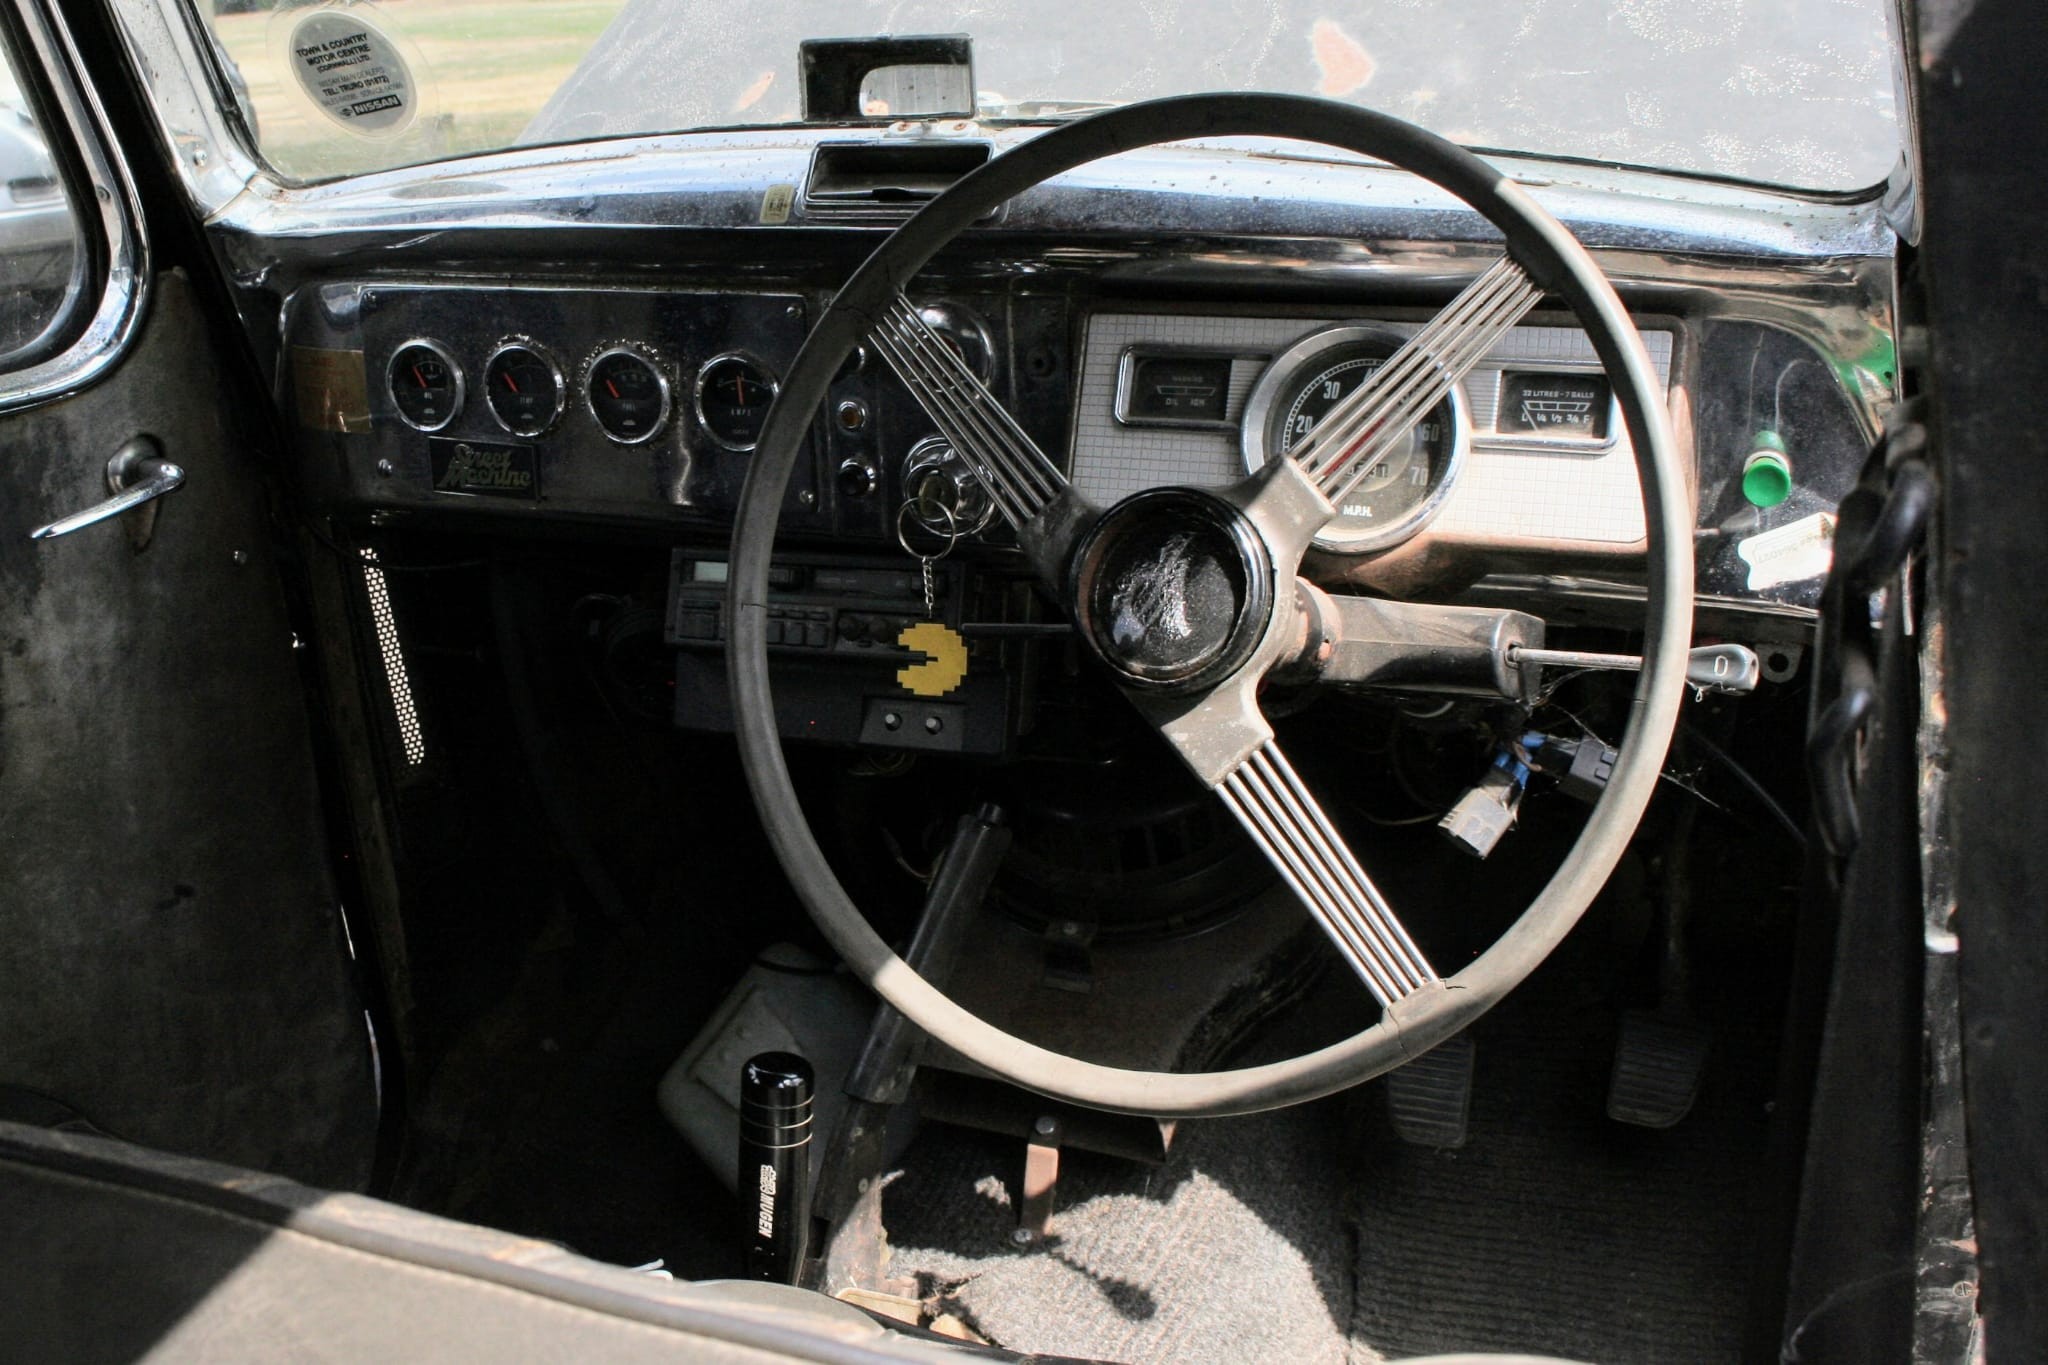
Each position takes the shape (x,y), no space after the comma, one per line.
(353,73)
(1790,553)
(776,202)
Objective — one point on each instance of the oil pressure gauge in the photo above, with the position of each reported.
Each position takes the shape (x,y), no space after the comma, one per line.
(426,385)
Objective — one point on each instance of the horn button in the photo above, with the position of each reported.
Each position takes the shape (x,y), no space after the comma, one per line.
(1173,588)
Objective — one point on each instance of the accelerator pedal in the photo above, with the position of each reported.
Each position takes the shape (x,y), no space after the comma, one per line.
(1658,1062)
(1430,1099)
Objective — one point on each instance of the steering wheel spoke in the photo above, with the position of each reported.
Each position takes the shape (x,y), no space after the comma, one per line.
(1020,480)
(1358,432)
(1292,830)
(1230,747)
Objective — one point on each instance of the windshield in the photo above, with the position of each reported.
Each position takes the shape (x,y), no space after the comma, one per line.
(1791,92)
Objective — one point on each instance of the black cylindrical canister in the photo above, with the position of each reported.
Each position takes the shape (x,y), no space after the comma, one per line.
(775,1164)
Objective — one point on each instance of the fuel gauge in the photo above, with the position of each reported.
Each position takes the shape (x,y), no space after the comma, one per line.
(426,385)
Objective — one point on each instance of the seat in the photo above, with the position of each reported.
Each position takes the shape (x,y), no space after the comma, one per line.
(119,1253)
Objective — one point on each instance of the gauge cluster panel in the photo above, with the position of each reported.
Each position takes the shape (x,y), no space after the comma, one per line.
(530,400)
(1527,450)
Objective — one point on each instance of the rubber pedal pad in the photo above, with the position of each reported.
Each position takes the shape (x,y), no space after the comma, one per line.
(1658,1063)
(1430,1098)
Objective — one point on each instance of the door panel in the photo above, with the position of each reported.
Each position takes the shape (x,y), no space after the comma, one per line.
(173,962)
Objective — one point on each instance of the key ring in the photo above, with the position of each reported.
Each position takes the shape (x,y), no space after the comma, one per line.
(909,506)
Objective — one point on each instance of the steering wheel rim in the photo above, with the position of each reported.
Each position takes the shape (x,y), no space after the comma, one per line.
(1411,1025)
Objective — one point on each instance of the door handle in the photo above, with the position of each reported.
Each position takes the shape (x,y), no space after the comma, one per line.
(137,474)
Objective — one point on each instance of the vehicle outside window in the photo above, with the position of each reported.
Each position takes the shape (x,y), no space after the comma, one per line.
(40,247)
(1789,92)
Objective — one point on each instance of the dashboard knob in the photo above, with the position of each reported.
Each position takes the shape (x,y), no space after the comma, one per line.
(858,478)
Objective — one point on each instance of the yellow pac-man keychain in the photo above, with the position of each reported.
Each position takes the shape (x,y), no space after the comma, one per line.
(944,665)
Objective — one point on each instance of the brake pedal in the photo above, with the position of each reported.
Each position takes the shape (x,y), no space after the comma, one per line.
(1658,1063)
(1430,1099)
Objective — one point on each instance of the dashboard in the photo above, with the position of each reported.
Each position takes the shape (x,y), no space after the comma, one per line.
(644,407)
(571,407)
(544,403)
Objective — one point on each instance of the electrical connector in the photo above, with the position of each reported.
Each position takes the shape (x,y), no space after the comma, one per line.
(1485,813)
(1591,766)
(1582,767)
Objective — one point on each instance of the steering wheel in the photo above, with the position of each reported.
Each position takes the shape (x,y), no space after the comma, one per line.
(1190,596)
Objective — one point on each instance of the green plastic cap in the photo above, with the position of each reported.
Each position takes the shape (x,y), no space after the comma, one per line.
(1767,474)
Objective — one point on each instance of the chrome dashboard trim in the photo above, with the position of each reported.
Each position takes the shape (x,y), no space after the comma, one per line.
(109,202)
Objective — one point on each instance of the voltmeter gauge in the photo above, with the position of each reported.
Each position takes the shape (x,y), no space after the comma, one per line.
(523,388)
(733,398)
(627,394)
(426,385)
(1409,483)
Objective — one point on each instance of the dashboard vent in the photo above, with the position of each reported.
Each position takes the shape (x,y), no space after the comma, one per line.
(873,182)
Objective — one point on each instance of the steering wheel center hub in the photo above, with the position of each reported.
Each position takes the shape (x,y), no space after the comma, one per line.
(1173,589)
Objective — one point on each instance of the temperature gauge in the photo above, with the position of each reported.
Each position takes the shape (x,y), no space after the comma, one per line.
(627,395)
(425,384)
(733,398)
(524,389)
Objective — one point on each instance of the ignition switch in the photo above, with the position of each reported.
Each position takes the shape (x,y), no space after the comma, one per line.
(944,492)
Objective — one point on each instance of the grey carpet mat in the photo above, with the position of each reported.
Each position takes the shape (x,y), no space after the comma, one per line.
(1556,1230)
(1221,1254)
(1314,1235)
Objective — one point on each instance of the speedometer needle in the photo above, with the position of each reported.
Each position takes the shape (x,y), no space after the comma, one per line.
(509,384)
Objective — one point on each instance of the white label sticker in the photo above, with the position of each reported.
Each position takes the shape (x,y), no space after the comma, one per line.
(776,202)
(1786,554)
(352,72)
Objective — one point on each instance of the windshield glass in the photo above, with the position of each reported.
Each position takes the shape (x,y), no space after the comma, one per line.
(1791,92)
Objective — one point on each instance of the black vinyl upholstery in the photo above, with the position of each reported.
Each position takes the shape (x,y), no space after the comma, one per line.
(117,1253)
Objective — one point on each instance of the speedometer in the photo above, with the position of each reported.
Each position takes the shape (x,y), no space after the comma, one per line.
(1399,495)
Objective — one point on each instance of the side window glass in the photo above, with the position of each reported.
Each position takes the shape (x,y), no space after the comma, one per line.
(42,252)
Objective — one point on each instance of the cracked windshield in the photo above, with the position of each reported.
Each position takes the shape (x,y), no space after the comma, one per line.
(1791,92)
